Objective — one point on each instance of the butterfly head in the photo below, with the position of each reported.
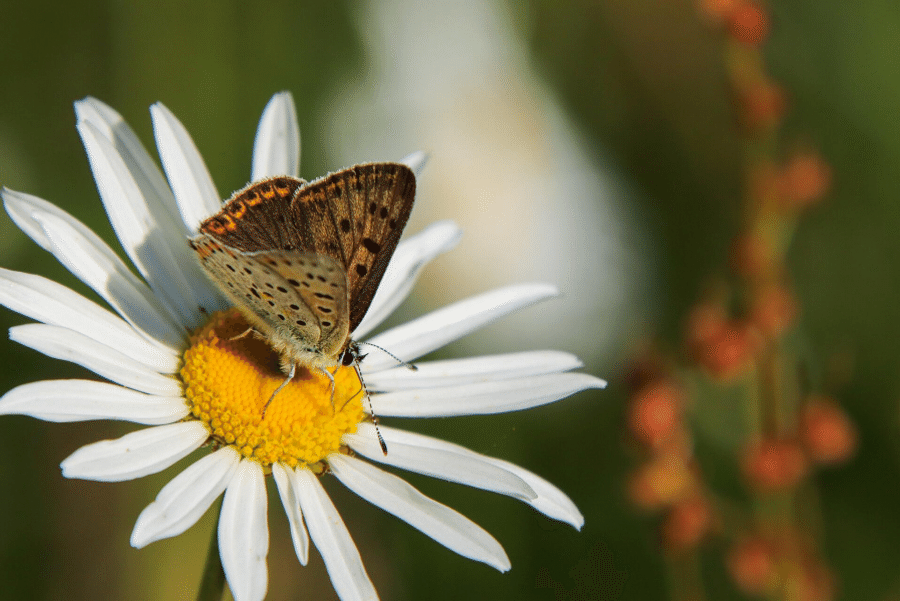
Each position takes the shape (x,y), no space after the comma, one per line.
(351,355)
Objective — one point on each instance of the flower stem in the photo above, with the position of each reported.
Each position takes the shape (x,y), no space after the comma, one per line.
(212,583)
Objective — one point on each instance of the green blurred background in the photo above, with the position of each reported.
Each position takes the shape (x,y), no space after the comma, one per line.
(641,89)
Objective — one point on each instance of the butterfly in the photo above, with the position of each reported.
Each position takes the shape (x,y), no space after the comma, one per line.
(303,260)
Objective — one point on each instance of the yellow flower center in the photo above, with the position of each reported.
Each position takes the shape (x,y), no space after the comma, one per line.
(229,378)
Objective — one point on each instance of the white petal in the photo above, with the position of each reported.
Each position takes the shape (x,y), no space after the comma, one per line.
(244,533)
(21,207)
(160,200)
(188,176)
(291,505)
(63,343)
(415,161)
(137,230)
(140,164)
(438,459)
(420,336)
(137,454)
(396,496)
(483,398)
(276,150)
(97,265)
(330,535)
(486,368)
(45,300)
(550,501)
(185,498)
(410,257)
(108,276)
(82,400)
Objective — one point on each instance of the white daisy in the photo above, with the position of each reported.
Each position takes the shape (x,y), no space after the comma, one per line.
(170,354)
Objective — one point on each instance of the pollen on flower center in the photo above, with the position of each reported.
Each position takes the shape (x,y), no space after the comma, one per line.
(228,381)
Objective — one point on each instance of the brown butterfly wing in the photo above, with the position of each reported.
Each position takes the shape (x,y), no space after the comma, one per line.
(322,285)
(256,282)
(357,216)
(258,217)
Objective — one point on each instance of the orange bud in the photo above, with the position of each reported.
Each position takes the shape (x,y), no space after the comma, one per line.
(687,523)
(805,180)
(773,310)
(718,11)
(816,581)
(731,352)
(661,482)
(705,323)
(655,412)
(749,24)
(827,432)
(761,106)
(752,565)
(774,464)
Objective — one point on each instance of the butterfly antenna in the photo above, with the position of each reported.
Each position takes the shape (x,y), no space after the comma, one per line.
(280,387)
(371,409)
(409,366)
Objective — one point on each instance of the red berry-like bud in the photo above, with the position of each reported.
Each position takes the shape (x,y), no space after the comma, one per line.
(752,565)
(687,523)
(773,311)
(774,464)
(749,24)
(661,482)
(827,432)
(730,353)
(655,412)
(805,180)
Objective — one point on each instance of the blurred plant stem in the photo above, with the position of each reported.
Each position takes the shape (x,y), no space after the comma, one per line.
(684,576)
(741,347)
(212,582)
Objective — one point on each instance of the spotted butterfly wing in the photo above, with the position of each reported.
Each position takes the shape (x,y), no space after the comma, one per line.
(304,316)
(303,261)
(356,216)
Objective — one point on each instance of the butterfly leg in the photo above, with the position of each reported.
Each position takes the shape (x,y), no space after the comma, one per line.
(242,334)
(360,389)
(281,386)
(331,377)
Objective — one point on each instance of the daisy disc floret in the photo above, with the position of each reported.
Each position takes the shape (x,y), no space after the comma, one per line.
(171,350)
(229,379)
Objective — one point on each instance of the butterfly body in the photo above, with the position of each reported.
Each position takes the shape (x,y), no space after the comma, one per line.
(302,260)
